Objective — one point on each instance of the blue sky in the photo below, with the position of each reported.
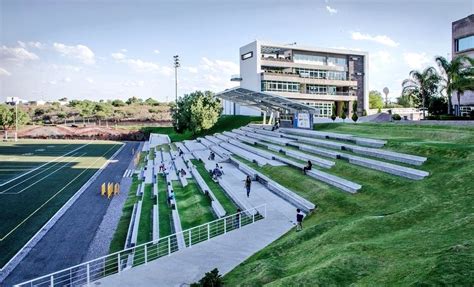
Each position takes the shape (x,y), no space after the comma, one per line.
(117,49)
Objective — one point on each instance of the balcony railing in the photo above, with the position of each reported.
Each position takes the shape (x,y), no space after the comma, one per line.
(297,75)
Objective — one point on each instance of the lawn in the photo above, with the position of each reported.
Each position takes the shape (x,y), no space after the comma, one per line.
(120,235)
(164,211)
(37,177)
(395,231)
(225,123)
(145,225)
(193,206)
(218,191)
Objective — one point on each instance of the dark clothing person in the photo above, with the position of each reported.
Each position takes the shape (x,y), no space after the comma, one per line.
(299,220)
(248,183)
(309,166)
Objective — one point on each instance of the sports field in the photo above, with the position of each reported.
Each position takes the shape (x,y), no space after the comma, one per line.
(37,177)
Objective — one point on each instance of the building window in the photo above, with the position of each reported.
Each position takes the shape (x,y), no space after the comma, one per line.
(325,109)
(247,56)
(276,86)
(464,43)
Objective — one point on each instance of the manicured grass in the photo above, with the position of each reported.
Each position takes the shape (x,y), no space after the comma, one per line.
(145,225)
(225,123)
(120,235)
(395,231)
(38,177)
(141,160)
(151,153)
(220,194)
(193,206)
(164,211)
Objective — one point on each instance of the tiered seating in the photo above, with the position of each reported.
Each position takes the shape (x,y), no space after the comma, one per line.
(299,202)
(215,204)
(175,217)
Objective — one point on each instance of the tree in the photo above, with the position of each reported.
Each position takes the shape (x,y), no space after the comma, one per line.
(333,115)
(422,84)
(118,103)
(375,100)
(354,111)
(210,279)
(452,73)
(8,118)
(151,102)
(407,100)
(134,100)
(438,106)
(196,112)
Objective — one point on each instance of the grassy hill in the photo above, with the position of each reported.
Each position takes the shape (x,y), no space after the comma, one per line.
(394,232)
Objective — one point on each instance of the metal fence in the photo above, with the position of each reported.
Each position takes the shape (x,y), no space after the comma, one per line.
(115,263)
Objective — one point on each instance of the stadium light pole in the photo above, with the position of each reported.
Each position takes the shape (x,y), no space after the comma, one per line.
(16,120)
(176,66)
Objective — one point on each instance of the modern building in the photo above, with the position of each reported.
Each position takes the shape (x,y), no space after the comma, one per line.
(463,44)
(319,77)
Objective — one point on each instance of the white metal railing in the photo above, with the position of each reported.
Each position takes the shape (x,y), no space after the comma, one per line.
(118,262)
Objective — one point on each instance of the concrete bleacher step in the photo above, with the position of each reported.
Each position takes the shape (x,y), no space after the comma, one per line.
(336,136)
(181,146)
(241,138)
(374,152)
(276,140)
(175,217)
(213,139)
(283,192)
(205,142)
(260,161)
(155,223)
(215,204)
(194,145)
(386,167)
(230,192)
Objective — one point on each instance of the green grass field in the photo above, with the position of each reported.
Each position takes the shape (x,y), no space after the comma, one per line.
(37,177)
(145,225)
(394,232)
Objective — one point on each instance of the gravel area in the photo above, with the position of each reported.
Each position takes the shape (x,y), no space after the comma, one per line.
(100,244)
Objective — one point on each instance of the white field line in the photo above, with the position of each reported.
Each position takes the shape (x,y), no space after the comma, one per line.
(59,191)
(23,174)
(43,171)
(44,177)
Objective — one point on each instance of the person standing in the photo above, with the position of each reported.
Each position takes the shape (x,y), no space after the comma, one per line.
(248,184)
(299,220)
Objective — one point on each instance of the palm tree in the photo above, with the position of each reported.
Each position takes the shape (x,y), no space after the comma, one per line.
(422,84)
(464,82)
(451,72)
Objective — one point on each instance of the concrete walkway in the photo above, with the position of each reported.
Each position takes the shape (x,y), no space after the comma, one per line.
(224,252)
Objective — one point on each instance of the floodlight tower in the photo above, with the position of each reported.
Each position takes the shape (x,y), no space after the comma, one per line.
(176,66)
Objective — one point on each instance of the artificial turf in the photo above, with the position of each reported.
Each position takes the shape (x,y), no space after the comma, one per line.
(218,191)
(194,207)
(57,170)
(394,232)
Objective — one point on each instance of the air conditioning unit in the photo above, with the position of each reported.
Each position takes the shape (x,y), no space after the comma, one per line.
(354,58)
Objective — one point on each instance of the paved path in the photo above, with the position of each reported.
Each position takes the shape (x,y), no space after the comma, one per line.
(190,264)
(67,242)
(224,252)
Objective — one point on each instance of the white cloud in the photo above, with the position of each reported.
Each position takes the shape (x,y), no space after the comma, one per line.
(78,52)
(53,82)
(134,84)
(37,45)
(17,54)
(416,60)
(219,66)
(192,70)
(380,60)
(123,50)
(381,39)
(118,56)
(4,72)
(156,51)
(89,80)
(331,10)
(67,80)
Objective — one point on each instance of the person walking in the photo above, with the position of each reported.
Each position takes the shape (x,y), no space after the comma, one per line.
(248,184)
(299,220)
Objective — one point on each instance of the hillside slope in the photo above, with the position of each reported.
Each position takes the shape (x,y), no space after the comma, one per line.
(395,232)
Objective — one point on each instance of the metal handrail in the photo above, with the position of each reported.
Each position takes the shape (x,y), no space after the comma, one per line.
(98,268)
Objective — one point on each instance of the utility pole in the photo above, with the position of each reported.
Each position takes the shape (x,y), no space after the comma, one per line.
(16,120)
(176,66)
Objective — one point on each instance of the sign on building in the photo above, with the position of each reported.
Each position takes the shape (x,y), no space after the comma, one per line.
(303,120)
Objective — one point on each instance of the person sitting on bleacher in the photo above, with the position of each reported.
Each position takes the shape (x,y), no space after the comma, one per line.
(180,152)
(307,167)
(276,125)
(212,156)
(183,172)
(217,173)
(162,167)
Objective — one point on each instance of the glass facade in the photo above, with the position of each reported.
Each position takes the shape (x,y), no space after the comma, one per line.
(465,43)
(321,74)
(277,86)
(320,60)
(325,109)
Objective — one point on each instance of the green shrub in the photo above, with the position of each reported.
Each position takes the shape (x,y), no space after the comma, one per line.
(471,114)
(396,117)
(379,110)
(364,113)
(333,117)
(343,116)
(210,279)
(355,117)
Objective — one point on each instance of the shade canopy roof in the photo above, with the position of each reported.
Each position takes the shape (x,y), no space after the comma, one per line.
(264,101)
